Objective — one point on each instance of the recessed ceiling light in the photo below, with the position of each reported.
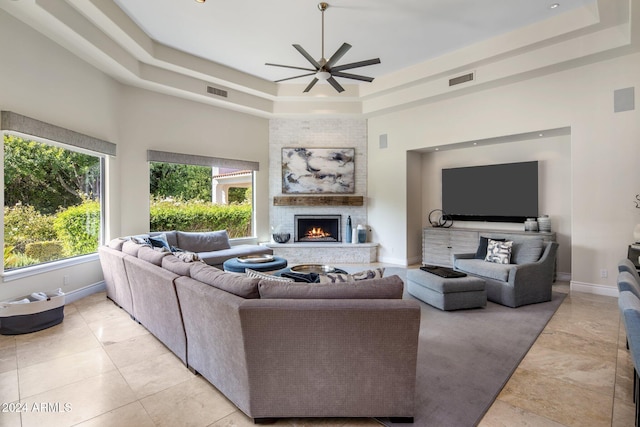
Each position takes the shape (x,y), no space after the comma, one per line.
(200,1)
(554,6)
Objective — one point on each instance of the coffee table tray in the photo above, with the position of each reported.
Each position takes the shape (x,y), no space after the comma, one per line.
(255,258)
(313,268)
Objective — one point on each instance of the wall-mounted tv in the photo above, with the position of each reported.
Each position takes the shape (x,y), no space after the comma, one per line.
(499,193)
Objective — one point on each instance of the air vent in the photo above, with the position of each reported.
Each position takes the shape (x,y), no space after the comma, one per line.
(216,91)
(461,79)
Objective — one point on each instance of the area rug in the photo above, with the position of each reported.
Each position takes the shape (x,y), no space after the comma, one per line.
(465,357)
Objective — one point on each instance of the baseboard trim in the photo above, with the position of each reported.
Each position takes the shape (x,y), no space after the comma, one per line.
(591,288)
(77,294)
(397,261)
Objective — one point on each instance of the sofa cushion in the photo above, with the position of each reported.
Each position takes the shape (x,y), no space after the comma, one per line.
(234,283)
(485,269)
(145,253)
(116,243)
(176,265)
(526,251)
(386,288)
(130,247)
(204,241)
(499,252)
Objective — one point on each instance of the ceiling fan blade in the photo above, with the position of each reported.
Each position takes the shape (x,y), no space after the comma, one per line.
(356,64)
(295,77)
(312,84)
(351,76)
(290,66)
(339,54)
(335,84)
(307,56)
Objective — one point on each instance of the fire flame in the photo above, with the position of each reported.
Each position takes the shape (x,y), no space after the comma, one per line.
(317,233)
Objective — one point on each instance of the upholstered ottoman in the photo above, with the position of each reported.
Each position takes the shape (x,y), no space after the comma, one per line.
(447,293)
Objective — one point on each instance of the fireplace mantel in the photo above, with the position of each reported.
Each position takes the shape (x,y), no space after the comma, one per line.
(318,201)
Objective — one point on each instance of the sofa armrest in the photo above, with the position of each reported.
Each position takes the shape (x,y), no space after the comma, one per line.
(533,281)
(455,257)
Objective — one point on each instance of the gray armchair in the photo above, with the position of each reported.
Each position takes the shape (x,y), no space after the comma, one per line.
(524,282)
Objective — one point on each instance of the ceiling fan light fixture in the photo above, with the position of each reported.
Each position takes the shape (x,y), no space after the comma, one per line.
(323,75)
(326,70)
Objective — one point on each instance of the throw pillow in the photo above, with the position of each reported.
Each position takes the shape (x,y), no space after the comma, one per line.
(481,252)
(336,278)
(498,252)
(159,241)
(260,275)
(185,256)
(369,274)
(343,278)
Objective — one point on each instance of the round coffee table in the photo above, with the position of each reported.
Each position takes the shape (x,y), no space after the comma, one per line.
(236,266)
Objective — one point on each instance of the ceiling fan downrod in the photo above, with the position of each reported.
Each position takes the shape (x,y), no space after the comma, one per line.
(323,6)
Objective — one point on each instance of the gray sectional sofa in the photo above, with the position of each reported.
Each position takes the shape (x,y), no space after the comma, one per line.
(274,349)
(527,279)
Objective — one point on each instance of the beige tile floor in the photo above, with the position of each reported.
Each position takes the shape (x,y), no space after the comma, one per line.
(100,368)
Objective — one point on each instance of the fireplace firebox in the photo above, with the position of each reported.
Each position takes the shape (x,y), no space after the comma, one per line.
(317,228)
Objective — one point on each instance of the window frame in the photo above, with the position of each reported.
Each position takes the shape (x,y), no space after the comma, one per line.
(31,129)
(208,161)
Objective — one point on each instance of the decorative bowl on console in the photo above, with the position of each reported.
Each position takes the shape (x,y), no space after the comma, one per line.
(281,237)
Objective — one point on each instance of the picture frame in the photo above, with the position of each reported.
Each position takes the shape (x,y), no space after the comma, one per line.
(318,170)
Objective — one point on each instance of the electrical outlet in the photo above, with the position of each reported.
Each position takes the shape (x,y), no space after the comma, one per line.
(604,273)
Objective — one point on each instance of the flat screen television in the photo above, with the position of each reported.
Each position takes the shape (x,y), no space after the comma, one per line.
(499,193)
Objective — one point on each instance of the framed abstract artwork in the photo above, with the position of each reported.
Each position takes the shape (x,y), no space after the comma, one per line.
(318,170)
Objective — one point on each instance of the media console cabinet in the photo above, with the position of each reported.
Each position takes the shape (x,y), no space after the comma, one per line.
(439,244)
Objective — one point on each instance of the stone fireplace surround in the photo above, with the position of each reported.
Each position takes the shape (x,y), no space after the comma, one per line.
(319,133)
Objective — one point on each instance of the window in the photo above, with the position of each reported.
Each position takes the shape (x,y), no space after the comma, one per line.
(53,188)
(196,193)
(52,202)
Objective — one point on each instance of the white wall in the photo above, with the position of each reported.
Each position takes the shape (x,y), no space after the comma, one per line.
(41,80)
(554,165)
(154,121)
(604,155)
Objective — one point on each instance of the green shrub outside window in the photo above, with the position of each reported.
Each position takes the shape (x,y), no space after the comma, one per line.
(52,202)
(183,197)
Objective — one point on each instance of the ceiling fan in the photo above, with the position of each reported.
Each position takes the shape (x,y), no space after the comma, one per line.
(327,69)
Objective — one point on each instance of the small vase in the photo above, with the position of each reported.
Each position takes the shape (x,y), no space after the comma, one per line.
(636,233)
(544,223)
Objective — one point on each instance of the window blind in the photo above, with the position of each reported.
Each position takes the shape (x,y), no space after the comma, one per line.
(192,159)
(10,121)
